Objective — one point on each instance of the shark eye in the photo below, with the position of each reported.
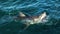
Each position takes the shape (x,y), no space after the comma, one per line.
(22,14)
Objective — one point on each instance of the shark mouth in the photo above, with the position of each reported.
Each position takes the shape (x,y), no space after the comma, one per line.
(34,19)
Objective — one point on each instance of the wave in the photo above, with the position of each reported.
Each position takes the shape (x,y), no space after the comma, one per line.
(31,7)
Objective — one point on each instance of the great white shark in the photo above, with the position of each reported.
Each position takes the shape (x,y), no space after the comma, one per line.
(32,20)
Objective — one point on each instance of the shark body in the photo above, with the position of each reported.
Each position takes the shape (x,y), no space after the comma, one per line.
(33,19)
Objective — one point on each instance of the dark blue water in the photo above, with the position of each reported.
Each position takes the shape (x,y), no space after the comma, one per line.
(10,8)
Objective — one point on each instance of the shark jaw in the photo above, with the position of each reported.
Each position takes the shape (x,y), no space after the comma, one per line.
(35,20)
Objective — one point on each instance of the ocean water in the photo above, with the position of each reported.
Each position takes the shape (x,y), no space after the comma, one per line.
(9,9)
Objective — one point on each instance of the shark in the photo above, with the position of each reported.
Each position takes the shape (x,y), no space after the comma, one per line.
(27,20)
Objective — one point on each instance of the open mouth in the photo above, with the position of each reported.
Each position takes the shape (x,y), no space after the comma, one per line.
(32,20)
